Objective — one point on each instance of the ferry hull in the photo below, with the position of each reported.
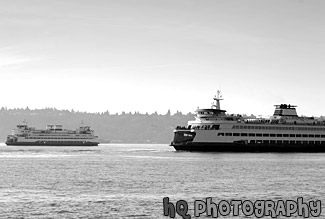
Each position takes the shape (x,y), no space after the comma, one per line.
(44,143)
(242,147)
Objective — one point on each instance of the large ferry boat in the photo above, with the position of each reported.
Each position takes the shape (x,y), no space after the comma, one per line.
(53,135)
(285,131)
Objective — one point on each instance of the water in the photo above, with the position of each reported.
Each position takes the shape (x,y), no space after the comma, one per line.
(130,181)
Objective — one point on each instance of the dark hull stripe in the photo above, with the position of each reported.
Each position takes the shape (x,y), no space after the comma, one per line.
(41,143)
(236,147)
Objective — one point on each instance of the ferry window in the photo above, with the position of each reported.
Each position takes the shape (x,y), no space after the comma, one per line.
(221,134)
(317,142)
(292,135)
(215,127)
(236,134)
(243,134)
(298,135)
(323,136)
(292,142)
(228,134)
(279,142)
(266,135)
(317,136)
(266,141)
(259,141)
(252,141)
(285,142)
(305,142)
(258,134)
(311,142)
(272,135)
(304,136)
(251,134)
(285,135)
(272,141)
(298,142)
(323,142)
(311,136)
(278,135)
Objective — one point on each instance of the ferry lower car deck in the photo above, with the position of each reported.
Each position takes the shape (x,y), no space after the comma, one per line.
(252,138)
(13,140)
(248,147)
(53,143)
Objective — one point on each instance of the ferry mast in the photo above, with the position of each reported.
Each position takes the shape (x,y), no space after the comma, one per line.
(217,99)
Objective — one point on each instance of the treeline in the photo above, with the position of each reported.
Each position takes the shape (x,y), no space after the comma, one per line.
(131,127)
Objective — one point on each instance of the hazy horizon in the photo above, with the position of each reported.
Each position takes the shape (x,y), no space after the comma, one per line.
(152,56)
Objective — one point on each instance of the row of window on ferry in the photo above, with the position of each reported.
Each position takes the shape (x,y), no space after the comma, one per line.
(278,127)
(286,142)
(272,135)
(205,127)
(57,138)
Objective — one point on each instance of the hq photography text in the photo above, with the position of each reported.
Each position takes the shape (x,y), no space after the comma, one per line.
(258,208)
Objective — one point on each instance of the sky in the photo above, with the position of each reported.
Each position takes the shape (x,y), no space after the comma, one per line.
(156,55)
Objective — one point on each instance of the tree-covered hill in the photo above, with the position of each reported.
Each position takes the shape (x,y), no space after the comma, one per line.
(124,127)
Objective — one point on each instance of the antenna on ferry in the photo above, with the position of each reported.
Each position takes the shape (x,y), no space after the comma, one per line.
(217,99)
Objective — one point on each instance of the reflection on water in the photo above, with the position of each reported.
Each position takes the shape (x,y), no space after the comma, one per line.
(130,181)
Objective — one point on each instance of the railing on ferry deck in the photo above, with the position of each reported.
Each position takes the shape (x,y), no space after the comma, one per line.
(319,123)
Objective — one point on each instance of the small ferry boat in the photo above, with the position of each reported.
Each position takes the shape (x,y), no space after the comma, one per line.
(285,131)
(53,135)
